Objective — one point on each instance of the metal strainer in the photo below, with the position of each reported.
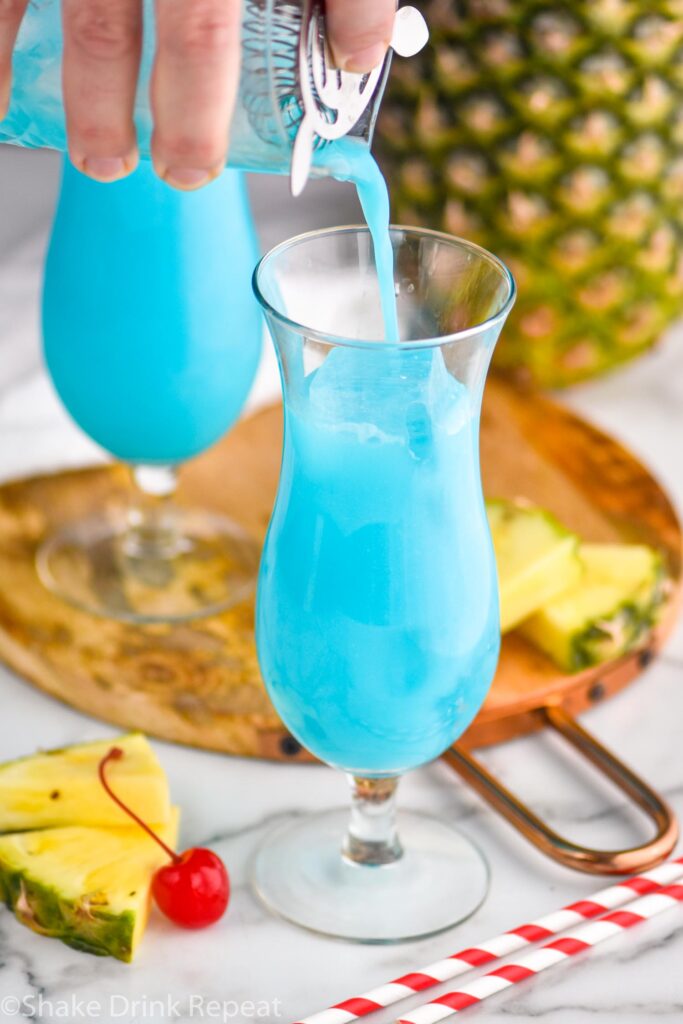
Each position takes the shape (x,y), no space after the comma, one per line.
(293,94)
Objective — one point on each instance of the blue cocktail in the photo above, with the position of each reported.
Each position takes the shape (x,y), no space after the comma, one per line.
(152,335)
(152,339)
(377,616)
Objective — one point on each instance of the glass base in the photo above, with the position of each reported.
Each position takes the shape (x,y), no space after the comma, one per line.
(211,565)
(441,879)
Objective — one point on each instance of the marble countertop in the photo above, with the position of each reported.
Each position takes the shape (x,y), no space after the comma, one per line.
(250,958)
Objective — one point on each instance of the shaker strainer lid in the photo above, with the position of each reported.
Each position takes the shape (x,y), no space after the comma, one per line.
(334,101)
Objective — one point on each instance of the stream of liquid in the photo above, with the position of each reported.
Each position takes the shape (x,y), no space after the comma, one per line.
(351,160)
(377,616)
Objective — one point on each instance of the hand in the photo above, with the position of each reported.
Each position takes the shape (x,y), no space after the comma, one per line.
(360,32)
(194,78)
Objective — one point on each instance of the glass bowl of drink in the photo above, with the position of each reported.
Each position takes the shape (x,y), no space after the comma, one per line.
(152,339)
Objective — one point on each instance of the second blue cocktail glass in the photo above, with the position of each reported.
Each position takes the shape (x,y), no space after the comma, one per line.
(152,339)
(377,619)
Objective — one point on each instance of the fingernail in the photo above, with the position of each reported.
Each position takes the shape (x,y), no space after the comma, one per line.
(187,177)
(105,168)
(4,99)
(365,60)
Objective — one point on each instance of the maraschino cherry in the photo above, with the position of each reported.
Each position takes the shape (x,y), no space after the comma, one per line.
(194,889)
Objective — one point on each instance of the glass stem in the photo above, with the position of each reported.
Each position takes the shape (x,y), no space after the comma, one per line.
(152,529)
(372,837)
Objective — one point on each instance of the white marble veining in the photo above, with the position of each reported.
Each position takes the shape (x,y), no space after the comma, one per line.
(229,803)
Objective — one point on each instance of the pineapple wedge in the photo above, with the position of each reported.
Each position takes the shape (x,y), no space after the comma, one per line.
(88,887)
(607,613)
(537,558)
(61,787)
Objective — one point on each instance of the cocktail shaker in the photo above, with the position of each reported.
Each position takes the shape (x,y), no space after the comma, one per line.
(291,102)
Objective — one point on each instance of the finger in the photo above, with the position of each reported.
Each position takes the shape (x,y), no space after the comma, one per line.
(360,32)
(11,13)
(194,84)
(102,40)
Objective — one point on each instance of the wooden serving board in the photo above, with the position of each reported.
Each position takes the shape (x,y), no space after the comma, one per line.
(199,684)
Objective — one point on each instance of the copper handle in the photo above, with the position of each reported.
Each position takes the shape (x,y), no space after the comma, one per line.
(581,858)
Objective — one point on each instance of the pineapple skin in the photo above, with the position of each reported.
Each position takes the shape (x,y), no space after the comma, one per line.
(61,787)
(552,134)
(41,909)
(92,909)
(606,615)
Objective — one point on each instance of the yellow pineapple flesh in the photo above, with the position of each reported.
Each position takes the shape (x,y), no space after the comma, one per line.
(62,787)
(536,557)
(607,613)
(88,887)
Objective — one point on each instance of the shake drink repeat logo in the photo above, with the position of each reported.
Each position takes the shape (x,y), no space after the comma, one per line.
(133,1010)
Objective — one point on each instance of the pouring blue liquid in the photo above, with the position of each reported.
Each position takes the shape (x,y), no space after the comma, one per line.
(350,160)
(377,619)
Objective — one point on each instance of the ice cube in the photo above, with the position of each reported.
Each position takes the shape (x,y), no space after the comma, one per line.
(388,394)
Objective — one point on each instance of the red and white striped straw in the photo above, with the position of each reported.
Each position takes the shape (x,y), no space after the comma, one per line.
(502,945)
(588,935)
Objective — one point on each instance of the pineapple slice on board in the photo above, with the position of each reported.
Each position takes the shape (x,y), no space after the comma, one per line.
(61,787)
(88,887)
(607,613)
(537,558)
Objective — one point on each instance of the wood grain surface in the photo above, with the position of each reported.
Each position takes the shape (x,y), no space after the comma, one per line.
(199,684)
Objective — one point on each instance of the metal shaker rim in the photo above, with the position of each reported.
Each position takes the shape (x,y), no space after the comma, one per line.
(295,96)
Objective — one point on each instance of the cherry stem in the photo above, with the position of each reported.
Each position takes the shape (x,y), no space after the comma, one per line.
(115,754)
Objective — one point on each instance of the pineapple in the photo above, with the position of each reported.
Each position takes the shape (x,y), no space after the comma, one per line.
(551,131)
(537,558)
(61,787)
(89,887)
(607,613)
